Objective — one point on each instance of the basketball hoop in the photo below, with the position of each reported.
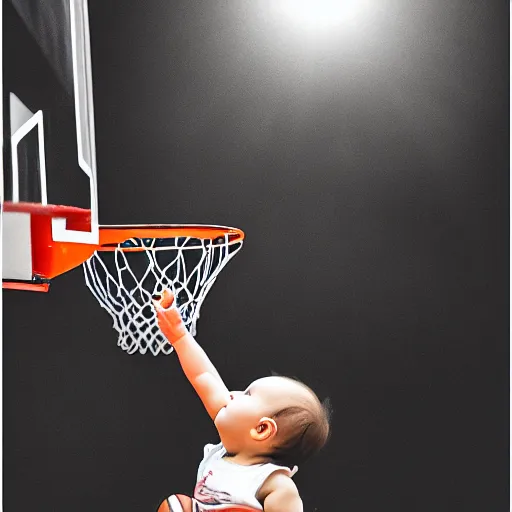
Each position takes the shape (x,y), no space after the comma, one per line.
(132,264)
(124,270)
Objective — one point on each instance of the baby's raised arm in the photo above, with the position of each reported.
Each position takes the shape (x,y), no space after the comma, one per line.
(196,365)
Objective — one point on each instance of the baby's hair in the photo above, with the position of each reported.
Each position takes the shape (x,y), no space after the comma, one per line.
(302,429)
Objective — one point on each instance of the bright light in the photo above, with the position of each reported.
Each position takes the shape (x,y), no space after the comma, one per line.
(319,13)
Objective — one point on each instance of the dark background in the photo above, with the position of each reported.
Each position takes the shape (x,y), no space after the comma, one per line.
(368,168)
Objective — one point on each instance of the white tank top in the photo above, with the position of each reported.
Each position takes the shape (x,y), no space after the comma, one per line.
(222,484)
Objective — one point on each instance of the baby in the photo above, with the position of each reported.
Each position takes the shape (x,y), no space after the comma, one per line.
(265,432)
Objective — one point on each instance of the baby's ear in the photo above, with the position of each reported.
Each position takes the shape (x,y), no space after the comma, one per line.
(265,429)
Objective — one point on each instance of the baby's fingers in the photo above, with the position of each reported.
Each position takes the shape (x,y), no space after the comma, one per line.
(167,299)
(163,301)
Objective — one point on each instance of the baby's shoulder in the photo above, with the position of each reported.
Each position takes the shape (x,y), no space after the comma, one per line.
(279,482)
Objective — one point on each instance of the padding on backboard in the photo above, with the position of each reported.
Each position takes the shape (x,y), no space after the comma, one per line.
(16,247)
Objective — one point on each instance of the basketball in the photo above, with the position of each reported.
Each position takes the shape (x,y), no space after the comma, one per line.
(182,503)
(176,503)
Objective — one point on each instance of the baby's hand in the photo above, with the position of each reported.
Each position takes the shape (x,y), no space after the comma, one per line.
(169,319)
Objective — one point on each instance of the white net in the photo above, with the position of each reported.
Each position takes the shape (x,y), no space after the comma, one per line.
(125,280)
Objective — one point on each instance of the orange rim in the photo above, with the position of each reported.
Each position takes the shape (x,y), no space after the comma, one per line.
(112,236)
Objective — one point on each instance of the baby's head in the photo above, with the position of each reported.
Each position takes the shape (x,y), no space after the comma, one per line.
(275,418)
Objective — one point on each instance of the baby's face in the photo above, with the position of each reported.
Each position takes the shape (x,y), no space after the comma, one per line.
(263,398)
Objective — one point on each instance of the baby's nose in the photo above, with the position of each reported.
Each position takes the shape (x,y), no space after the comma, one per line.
(233,394)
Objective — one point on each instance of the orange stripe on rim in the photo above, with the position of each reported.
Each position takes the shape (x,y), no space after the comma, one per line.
(111,236)
(27,287)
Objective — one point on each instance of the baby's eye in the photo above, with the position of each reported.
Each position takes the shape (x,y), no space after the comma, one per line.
(247,392)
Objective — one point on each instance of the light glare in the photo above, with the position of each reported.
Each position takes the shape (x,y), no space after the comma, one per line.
(320,13)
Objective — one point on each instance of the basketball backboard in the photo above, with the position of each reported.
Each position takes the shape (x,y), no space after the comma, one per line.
(48,128)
